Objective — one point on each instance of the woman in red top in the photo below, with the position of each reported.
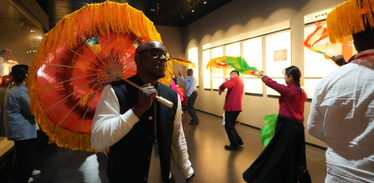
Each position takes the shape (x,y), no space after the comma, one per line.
(284,160)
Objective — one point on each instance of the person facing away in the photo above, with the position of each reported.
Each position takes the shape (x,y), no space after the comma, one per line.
(21,126)
(4,92)
(140,132)
(191,95)
(284,160)
(342,115)
(232,108)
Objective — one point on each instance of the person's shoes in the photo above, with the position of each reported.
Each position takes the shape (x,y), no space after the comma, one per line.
(30,180)
(241,143)
(231,147)
(36,172)
(194,122)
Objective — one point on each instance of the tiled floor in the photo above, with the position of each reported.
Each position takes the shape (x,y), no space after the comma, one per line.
(206,142)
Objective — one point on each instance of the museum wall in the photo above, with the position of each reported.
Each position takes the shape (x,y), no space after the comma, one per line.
(241,19)
(19,32)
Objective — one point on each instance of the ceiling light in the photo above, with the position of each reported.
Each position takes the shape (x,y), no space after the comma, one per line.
(204,2)
(193,11)
(39,37)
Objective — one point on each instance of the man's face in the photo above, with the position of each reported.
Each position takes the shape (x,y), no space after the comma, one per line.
(233,75)
(189,72)
(6,55)
(152,58)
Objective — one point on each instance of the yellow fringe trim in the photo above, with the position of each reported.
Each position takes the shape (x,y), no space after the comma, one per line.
(187,64)
(169,71)
(91,20)
(346,19)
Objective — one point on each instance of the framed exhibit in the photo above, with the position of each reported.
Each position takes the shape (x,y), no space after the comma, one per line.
(216,52)
(234,51)
(194,58)
(206,72)
(315,64)
(216,82)
(252,53)
(272,92)
(252,85)
(278,53)
(309,87)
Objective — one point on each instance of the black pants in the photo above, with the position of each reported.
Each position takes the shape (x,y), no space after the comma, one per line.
(25,154)
(190,108)
(230,122)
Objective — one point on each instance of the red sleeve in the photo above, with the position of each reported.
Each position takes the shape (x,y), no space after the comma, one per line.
(228,84)
(282,89)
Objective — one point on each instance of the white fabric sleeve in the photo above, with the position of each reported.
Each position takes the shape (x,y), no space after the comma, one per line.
(108,125)
(316,117)
(179,145)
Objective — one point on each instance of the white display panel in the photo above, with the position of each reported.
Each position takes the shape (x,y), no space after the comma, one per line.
(270,91)
(309,87)
(216,82)
(252,53)
(253,85)
(315,64)
(278,53)
(217,52)
(206,72)
(234,51)
(194,58)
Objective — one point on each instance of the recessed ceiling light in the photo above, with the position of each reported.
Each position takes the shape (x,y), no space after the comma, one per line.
(193,11)
(204,2)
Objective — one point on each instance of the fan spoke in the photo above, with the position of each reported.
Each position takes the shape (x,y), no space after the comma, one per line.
(83,56)
(54,105)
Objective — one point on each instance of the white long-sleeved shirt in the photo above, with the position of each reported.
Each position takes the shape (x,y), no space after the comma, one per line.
(109,126)
(191,84)
(342,116)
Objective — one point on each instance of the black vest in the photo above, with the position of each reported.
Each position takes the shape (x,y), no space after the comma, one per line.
(129,158)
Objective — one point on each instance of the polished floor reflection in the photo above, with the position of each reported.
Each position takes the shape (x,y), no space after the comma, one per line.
(206,142)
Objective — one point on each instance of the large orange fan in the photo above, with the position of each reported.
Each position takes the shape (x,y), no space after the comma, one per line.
(84,52)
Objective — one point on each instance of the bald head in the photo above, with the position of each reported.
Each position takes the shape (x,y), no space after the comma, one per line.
(149,45)
(151,58)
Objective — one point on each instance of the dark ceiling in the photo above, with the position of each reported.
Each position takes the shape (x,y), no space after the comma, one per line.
(178,13)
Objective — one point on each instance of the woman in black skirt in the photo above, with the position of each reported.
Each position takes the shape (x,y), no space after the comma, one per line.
(284,160)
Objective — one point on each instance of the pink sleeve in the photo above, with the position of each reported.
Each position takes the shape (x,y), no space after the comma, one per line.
(176,89)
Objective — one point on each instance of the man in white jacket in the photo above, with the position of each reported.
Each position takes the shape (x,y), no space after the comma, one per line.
(342,111)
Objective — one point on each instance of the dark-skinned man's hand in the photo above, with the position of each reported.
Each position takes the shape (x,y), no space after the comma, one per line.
(146,94)
(339,60)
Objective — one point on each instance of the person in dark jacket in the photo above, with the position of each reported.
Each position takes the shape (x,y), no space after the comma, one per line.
(140,132)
